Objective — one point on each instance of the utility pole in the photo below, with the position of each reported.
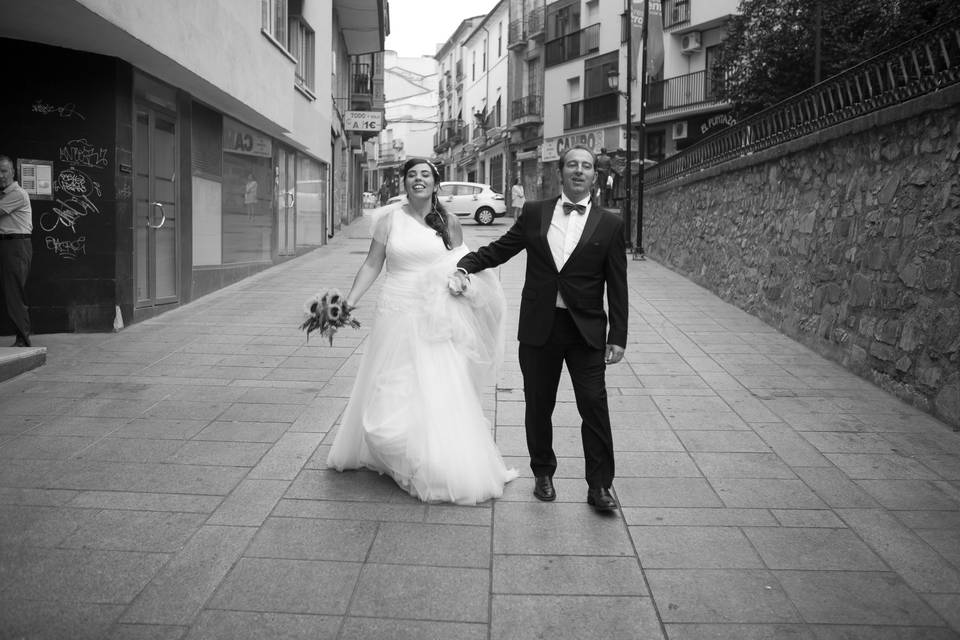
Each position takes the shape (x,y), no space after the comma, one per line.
(638,246)
(628,199)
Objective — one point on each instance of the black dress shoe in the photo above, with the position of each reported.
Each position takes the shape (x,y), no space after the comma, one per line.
(601,500)
(543,489)
(21,342)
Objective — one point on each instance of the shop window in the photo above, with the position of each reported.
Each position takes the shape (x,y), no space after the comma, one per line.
(313,195)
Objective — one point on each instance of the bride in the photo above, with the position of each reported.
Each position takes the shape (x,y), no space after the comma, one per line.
(415,410)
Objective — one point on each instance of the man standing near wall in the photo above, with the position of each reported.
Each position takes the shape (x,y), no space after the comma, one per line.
(16,250)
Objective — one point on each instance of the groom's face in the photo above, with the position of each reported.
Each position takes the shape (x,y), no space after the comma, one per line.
(577,174)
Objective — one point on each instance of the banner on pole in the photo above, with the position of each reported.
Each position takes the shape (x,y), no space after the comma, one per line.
(653,33)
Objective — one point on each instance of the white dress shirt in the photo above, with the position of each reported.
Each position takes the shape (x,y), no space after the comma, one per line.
(564,234)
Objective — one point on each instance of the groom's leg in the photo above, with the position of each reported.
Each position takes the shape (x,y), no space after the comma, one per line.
(541,367)
(587,372)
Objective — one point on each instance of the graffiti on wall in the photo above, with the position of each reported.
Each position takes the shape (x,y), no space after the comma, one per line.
(68,110)
(76,195)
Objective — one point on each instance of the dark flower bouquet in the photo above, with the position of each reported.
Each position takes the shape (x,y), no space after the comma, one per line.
(327,312)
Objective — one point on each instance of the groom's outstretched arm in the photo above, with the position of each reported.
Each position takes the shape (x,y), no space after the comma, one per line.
(502,249)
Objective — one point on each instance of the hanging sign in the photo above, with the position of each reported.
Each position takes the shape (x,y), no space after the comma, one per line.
(370,121)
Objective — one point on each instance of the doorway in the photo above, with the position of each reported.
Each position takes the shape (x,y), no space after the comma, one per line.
(156,233)
(286,202)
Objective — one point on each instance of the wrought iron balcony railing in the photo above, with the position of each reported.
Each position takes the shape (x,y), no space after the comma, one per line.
(535,22)
(573,45)
(595,110)
(528,108)
(922,65)
(361,79)
(689,90)
(517,33)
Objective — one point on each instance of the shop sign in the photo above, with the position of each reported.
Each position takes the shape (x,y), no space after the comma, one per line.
(369,121)
(238,138)
(553,147)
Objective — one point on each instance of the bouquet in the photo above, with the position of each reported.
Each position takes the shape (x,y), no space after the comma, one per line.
(327,312)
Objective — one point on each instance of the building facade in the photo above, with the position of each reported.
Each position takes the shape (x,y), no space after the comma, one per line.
(570,66)
(681,103)
(411,113)
(166,159)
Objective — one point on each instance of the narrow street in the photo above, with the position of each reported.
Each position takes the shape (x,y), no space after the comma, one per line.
(168,481)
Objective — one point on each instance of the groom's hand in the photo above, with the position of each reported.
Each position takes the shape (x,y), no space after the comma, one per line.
(457,282)
(614,354)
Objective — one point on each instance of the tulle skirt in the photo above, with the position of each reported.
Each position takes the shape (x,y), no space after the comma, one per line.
(415,412)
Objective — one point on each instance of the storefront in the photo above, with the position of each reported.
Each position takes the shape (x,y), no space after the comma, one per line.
(116,227)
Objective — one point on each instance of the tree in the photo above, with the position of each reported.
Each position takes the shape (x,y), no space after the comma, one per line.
(777,48)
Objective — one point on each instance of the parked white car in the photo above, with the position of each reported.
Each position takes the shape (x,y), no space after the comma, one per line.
(468,199)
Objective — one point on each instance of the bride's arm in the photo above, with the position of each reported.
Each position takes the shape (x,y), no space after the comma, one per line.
(368,272)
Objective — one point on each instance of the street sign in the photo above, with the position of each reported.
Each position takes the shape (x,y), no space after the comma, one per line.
(369,121)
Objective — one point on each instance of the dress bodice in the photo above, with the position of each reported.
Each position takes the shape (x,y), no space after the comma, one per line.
(416,261)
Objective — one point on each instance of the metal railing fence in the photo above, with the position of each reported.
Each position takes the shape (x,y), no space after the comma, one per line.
(922,65)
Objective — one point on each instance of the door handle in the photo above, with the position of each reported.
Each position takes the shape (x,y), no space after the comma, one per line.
(163,217)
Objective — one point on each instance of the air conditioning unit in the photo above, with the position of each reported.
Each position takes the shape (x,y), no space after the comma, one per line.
(679,129)
(690,42)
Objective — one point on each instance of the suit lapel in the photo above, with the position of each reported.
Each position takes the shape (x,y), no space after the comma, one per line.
(546,218)
(593,220)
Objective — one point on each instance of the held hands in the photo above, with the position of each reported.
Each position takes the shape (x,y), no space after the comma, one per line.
(614,354)
(457,283)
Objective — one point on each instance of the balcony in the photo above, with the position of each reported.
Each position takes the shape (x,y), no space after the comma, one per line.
(573,45)
(535,23)
(592,111)
(675,13)
(517,34)
(361,87)
(387,153)
(527,110)
(690,93)
(451,133)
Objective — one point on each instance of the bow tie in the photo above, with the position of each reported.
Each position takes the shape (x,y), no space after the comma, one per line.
(579,208)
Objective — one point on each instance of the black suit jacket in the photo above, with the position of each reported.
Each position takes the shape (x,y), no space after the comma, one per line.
(599,260)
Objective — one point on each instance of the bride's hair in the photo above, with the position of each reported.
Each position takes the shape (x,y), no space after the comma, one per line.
(436,219)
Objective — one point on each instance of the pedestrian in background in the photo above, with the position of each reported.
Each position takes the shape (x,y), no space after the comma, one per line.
(16,250)
(603,177)
(571,259)
(517,198)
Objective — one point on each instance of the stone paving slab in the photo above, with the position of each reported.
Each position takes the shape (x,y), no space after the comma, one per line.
(168,482)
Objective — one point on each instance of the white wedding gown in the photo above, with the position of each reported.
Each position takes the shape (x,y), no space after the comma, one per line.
(415,411)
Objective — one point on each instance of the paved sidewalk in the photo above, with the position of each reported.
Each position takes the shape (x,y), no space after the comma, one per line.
(168,482)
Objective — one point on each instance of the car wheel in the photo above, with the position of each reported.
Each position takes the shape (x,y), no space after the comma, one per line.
(484,215)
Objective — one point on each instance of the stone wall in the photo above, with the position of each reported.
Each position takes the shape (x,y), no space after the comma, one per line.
(847,240)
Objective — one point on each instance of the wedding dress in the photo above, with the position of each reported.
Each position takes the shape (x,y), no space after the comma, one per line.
(415,411)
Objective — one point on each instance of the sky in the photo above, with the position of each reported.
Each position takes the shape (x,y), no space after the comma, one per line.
(418,26)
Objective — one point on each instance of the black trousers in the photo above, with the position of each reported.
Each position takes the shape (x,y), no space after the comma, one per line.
(15,257)
(541,368)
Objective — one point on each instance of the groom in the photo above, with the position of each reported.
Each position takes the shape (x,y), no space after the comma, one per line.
(574,250)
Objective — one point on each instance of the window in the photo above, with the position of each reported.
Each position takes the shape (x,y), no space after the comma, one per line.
(595,72)
(301,46)
(473,67)
(499,39)
(274,20)
(485,47)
